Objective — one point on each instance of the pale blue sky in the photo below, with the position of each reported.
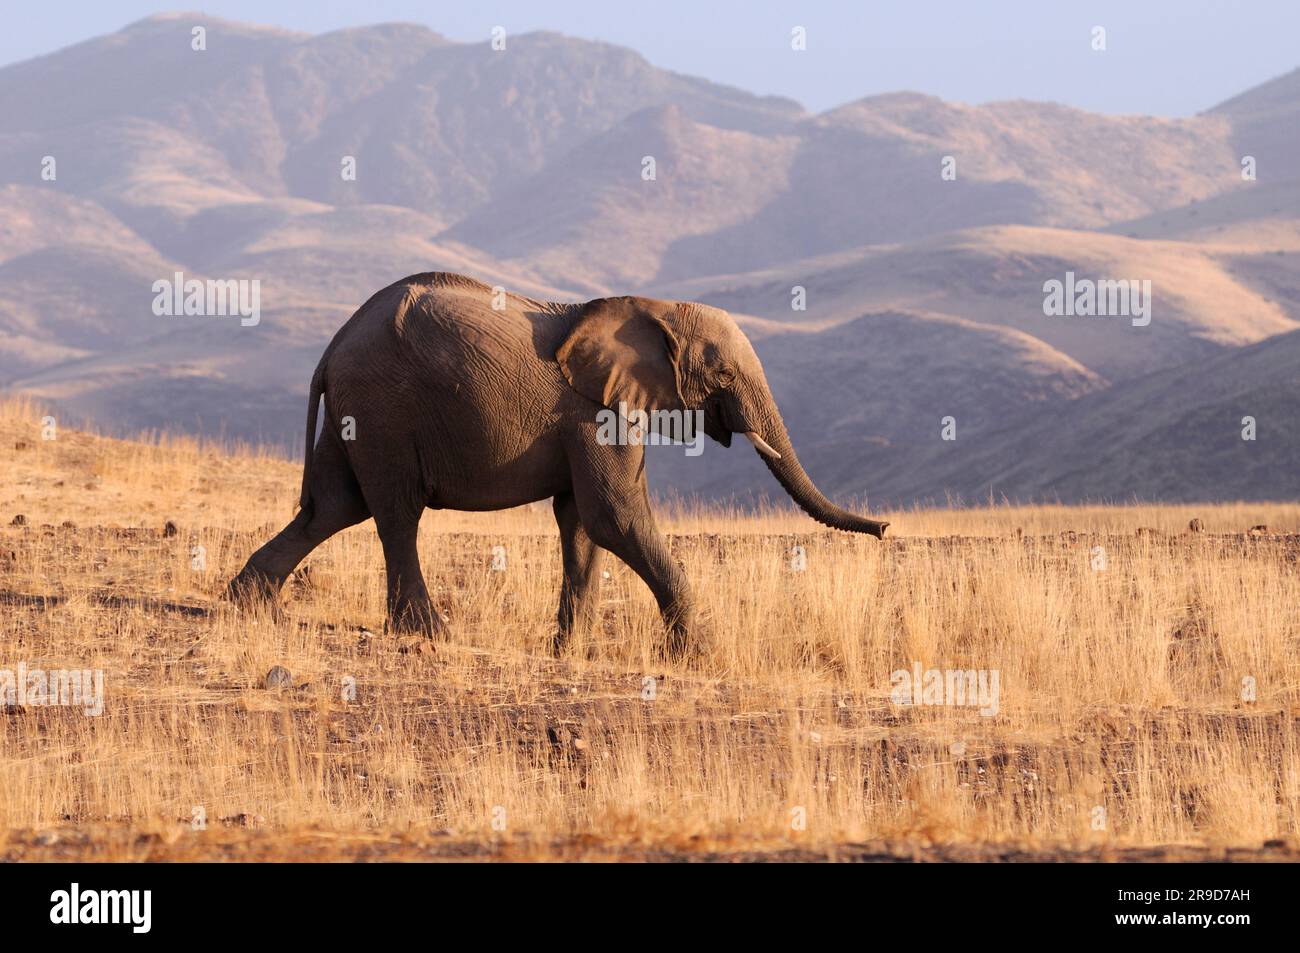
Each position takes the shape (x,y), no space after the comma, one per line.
(1165,57)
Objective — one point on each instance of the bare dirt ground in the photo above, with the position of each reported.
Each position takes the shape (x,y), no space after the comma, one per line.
(1147,707)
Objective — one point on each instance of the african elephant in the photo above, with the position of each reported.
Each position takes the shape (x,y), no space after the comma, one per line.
(440,394)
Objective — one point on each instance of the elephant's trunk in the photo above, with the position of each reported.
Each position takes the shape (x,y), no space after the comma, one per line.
(762,418)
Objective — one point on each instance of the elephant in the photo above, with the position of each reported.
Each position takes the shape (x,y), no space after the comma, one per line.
(443,393)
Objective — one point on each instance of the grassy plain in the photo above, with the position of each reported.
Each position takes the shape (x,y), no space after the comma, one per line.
(1145,710)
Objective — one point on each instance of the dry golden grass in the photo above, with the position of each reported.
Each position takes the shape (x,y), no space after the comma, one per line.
(1120,689)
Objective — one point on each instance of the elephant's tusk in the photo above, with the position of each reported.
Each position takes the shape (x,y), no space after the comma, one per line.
(761,445)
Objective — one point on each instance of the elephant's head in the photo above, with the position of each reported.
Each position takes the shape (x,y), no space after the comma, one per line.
(662,355)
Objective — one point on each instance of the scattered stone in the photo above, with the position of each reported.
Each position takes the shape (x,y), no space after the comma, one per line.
(1196,526)
(18,520)
(1260,530)
(278,677)
(169,529)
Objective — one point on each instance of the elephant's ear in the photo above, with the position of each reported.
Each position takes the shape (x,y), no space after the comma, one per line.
(619,351)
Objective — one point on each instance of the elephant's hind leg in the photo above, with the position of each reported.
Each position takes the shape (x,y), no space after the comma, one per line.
(336,503)
(581,560)
(409,606)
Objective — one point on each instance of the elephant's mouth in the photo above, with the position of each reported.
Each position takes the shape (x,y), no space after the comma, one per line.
(723,417)
(716,422)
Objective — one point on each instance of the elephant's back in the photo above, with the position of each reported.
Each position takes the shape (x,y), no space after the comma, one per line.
(429,315)
(440,330)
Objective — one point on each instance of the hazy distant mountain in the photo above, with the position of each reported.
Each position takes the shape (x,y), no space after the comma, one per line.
(918,234)
(1176,435)
(1204,300)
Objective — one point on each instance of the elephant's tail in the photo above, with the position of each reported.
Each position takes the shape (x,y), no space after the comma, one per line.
(313,408)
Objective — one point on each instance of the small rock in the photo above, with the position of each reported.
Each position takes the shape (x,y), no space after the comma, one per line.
(580,745)
(169,529)
(18,520)
(1196,526)
(1260,530)
(278,677)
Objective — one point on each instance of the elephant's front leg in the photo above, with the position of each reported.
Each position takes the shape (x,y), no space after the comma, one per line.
(619,519)
(581,560)
(646,552)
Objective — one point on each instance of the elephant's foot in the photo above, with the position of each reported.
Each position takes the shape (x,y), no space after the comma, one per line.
(579,623)
(417,616)
(256,591)
(253,587)
(680,646)
(688,639)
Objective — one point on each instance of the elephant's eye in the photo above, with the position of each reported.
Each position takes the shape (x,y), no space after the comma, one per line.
(726,376)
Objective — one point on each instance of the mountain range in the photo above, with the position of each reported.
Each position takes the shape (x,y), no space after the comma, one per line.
(888,257)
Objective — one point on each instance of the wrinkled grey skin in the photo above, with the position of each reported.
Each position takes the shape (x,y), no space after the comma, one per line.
(460,406)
